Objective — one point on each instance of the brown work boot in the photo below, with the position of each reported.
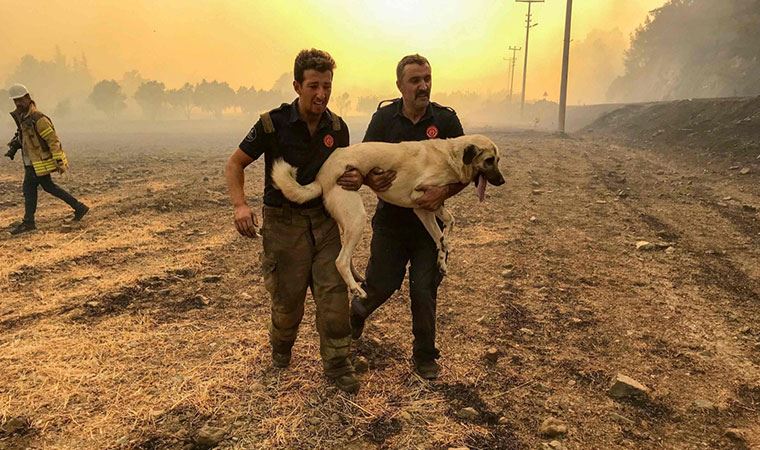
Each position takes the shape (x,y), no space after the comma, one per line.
(347,382)
(280,360)
(427,368)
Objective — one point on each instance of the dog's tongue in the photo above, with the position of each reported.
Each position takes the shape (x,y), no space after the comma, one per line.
(480,186)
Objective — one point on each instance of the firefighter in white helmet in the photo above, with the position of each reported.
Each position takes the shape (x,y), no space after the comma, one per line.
(42,155)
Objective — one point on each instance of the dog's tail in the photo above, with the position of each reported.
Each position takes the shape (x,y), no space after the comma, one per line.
(284,178)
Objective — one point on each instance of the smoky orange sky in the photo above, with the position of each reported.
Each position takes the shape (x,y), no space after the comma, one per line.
(254,42)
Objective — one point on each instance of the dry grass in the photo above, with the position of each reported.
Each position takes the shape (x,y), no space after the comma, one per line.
(111,338)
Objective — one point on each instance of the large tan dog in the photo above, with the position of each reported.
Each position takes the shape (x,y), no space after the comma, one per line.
(433,162)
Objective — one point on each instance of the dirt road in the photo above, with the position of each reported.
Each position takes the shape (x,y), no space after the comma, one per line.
(145,327)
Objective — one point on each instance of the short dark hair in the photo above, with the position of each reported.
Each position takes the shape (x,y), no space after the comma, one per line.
(410,59)
(318,60)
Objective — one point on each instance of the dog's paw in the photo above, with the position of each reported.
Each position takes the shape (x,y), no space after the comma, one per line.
(358,292)
(442,265)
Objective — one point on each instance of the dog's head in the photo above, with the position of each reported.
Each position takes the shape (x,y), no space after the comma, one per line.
(482,156)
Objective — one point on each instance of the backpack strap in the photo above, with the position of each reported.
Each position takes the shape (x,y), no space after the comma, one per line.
(335,121)
(266,121)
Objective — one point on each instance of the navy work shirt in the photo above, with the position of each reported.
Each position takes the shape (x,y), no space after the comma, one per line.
(292,142)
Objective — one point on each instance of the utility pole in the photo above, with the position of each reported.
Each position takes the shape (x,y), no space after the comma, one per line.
(528,26)
(565,68)
(513,60)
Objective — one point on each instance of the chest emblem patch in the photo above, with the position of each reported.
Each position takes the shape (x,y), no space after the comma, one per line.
(432,132)
(328,141)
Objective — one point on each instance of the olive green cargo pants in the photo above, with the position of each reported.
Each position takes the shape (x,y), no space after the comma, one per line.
(300,247)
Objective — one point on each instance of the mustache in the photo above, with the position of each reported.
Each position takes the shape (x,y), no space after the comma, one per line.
(422,94)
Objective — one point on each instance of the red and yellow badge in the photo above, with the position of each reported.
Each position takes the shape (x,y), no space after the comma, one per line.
(432,132)
(328,141)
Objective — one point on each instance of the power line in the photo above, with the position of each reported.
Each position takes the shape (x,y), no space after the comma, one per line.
(528,26)
(513,61)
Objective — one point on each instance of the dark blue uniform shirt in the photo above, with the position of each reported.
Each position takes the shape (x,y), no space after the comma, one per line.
(292,142)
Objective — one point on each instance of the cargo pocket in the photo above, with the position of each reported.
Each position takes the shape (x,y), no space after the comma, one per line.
(269,272)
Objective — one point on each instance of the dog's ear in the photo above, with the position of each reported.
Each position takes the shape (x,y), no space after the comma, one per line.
(470,152)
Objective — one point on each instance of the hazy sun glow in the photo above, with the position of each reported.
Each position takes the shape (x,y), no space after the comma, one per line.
(254,42)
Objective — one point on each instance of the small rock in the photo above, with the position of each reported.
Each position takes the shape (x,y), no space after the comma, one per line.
(734,168)
(201,299)
(205,178)
(209,437)
(738,435)
(503,421)
(533,218)
(506,273)
(745,171)
(468,413)
(704,405)
(212,278)
(526,331)
(28,248)
(335,418)
(537,191)
(245,296)
(576,321)
(552,427)
(314,420)
(645,246)
(361,364)
(492,354)
(626,387)
(727,199)
(556,445)
(670,250)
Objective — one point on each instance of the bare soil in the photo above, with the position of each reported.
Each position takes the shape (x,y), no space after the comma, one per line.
(144,327)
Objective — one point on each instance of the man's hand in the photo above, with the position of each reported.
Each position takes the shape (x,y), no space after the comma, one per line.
(246,222)
(351,180)
(433,197)
(380,180)
(11,154)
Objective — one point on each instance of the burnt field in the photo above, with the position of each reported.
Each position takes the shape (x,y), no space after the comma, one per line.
(144,327)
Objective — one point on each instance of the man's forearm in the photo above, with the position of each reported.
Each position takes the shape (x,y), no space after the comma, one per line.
(235,176)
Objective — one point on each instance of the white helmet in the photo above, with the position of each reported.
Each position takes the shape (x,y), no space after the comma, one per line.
(17,91)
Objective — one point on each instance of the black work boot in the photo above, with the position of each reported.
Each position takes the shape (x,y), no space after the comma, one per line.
(280,360)
(427,368)
(80,211)
(347,382)
(23,227)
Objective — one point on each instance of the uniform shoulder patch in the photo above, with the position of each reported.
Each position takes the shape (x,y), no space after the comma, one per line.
(251,136)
